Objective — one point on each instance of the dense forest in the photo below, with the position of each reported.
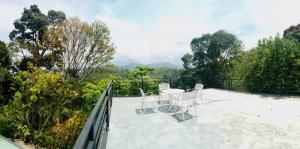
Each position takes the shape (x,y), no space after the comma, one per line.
(55,67)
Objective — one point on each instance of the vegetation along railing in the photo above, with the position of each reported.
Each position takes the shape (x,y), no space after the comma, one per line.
(94,134)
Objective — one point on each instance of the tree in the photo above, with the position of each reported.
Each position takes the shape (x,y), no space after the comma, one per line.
(211,54)
(6,80)
(42,100)
(273,67)
(85,46)
(29,41)
(292,32)
(5,60)
(140,72)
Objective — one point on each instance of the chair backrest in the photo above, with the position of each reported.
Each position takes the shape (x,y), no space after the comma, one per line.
(163,86)
(142,92)
(199,87)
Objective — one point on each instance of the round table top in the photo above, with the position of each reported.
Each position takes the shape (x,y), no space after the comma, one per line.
(173,91)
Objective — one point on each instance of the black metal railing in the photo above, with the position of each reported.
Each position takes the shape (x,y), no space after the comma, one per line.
(94,134)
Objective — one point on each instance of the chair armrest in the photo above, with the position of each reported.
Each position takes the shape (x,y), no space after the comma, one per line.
(149,93)
(189,90)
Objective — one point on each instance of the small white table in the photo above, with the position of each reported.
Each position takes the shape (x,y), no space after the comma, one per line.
(172,92)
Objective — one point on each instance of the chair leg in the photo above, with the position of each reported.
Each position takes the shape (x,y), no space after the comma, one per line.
(160,96)
(170,107)
(142,107)
(195,104)
(153,105)
(176,106)
(159,99)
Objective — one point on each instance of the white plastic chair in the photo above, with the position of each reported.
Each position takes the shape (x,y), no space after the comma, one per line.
(187,100)
(174,100)
(199,87)
(199,90)
(146,100)
(163,86)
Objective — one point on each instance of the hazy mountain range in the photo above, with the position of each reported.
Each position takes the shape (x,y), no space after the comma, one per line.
(131,66)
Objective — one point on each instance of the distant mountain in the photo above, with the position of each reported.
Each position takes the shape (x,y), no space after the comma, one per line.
(132,66)
(163,65)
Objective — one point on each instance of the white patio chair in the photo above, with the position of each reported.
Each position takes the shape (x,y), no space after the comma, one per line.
(147,100)
(188,100)
(199,90)
(199,87)
(163,86)
(174,100)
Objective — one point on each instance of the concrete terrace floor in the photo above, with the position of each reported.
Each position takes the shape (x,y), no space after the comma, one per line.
(227,120)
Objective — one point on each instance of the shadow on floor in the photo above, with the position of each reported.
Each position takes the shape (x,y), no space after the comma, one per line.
(179,116)
(145,111)
(166,109)
(163,102)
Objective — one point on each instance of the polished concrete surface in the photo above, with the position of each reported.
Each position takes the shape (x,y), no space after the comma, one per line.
(226,120)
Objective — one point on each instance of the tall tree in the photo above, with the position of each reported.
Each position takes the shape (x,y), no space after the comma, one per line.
(85,46)
(28,37)
(140,72)
(273,67)
(6,79)
(5,60)
(211,54)
(292,32)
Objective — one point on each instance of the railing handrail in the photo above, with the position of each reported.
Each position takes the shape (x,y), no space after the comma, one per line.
(90,136)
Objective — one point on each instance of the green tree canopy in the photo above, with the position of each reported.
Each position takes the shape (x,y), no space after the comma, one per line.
(140,72)
(211,54)
(85,46)
(273,67)
(5,60)
(6,79)
(292,32)
(28,37)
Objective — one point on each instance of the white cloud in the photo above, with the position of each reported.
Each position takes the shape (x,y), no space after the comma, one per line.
(12,9)
(150,31)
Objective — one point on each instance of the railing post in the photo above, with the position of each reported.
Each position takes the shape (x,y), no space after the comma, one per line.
(97,121)
(108,96)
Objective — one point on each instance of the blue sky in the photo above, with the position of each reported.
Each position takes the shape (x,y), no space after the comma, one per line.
(149,31)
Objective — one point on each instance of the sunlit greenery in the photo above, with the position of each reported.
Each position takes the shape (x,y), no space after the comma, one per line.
(48,88)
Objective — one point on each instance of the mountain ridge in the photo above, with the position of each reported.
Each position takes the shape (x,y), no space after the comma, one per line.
(131,66)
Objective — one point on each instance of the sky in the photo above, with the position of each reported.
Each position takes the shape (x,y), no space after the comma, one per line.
(150,31)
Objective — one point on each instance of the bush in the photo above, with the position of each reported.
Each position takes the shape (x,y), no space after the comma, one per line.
(130,87)
(273,67)
(42,100)
(6,86)
(91,93)
(67,132)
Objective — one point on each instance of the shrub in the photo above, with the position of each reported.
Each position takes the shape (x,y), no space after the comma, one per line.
(42,100)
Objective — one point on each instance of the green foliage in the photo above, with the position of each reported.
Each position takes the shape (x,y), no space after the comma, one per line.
(121,87)
(210,58)
(273,67)
(91,93)
(5,60)
(42,100)
(141,71)
(6,86)
(293,33)
(130,87)
(6,80)
(66,133)
(29,36)
(92,47)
